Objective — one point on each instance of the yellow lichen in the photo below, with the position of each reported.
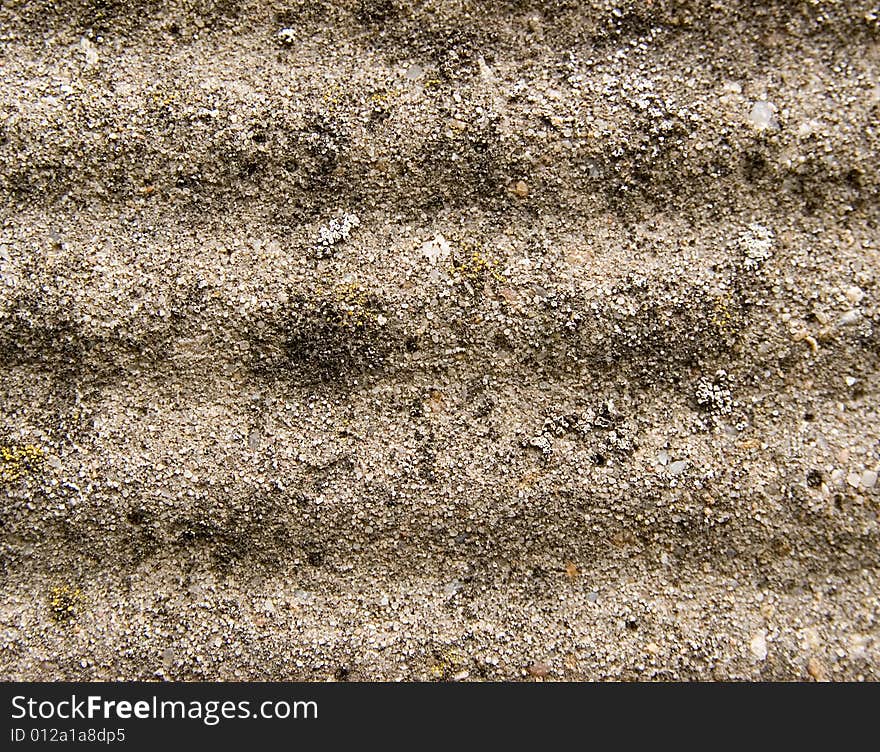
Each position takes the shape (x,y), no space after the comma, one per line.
(19,461)
(384,98)
(355,303)
(476,265)
(63,601)
(721,316)
(450,662)
(332,97)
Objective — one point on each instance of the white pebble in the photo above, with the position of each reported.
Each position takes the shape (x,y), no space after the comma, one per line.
(763,116)
(677,467)
(854,294)
(758,645)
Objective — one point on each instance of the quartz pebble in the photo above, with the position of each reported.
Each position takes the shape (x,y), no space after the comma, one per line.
(854,294)
(763,116)
(758,645)
(677,467)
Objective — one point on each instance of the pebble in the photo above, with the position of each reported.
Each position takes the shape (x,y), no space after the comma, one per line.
(816,669)
(763,116)
(850,317)
(677,467)
(869,479)
(854,294)
(539,670)
(758,645)
(521,189)
(854,479)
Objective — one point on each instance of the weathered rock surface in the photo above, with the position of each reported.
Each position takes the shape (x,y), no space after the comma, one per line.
(392,339)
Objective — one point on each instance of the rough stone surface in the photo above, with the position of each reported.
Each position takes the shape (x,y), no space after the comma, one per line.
(450,448)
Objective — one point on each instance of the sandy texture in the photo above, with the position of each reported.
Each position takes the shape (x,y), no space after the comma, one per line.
(387,339)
